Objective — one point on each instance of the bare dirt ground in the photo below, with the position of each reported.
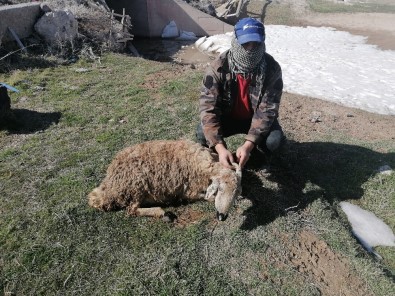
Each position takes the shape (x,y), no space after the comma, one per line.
(314,258)
(378,27)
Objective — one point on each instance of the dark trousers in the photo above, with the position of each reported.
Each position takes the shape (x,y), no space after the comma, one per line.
(269,144)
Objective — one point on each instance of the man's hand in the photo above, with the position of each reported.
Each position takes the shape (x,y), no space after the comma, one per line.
(243,153)
(225,156)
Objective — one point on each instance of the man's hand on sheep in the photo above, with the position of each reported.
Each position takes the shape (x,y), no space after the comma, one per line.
(243,153)
(225,156)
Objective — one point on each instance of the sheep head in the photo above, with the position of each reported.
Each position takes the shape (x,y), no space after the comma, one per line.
(224,189)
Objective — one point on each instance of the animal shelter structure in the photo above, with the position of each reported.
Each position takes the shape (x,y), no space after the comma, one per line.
(149,17)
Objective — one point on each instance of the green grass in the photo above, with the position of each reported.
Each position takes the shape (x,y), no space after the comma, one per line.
(64,136)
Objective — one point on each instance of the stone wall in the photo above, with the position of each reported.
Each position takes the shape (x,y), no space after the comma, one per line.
(20,17)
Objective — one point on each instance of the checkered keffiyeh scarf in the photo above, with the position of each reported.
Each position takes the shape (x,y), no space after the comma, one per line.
(246,62)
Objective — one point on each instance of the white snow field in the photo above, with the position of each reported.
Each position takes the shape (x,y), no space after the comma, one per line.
(324,63)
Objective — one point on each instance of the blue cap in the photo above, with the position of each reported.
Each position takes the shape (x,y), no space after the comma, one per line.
(248,30)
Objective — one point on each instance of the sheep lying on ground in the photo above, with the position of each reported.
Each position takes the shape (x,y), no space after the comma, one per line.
(165,172)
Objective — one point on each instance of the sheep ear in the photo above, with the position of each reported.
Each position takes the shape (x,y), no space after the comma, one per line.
(212,190)
(238,169)
(238,177)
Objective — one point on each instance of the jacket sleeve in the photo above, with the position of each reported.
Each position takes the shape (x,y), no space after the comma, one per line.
(210,113)
(268,105)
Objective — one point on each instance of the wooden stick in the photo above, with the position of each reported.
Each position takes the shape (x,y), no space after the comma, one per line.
(23,48)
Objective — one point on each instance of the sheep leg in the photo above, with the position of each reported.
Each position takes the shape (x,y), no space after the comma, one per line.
(157,212)
(134,210)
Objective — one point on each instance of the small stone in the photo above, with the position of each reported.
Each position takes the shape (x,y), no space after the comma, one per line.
(169,217)
(315,117)
(81,70)
(385,170)
(45,8)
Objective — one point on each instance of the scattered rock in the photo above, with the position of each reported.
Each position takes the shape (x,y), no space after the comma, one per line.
(23,99)
(385,170)
(203,5)
(169,217)
(57,26)
(315,117)
(45,8)
(39,88)
(81,70)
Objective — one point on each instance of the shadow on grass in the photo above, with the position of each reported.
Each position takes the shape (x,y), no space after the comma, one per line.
(24,62)
(308,171)
(23,121)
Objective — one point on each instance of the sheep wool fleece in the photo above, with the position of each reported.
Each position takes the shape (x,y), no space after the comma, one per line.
(158,173)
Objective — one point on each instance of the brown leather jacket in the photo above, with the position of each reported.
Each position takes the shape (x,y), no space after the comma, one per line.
(219,92)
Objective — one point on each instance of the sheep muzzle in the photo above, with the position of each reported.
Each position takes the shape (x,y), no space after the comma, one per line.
(221,217)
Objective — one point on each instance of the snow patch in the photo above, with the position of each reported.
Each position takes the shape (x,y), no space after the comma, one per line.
(328,64)
(367,228)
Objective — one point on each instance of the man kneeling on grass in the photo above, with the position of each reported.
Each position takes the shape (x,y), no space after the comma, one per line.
(241,94)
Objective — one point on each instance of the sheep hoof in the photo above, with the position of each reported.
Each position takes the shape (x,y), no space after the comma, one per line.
(169,217)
